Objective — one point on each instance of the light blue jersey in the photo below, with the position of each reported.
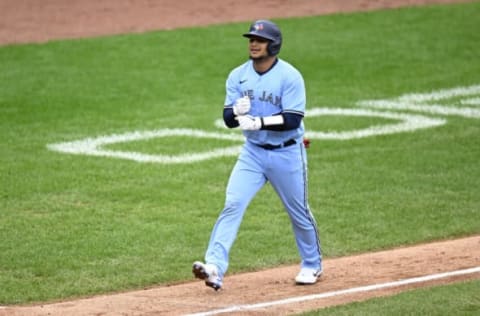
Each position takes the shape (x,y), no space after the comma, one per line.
(281,89)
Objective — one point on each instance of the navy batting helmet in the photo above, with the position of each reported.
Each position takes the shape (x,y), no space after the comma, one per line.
(268,30)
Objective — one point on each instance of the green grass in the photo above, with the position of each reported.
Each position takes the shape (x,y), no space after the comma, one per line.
(456,299)
(73,225)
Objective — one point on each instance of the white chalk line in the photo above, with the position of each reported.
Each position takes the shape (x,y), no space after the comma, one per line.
(471,101)
(408,123)
(367,288)
(440,94)
(94,146)
(420,102)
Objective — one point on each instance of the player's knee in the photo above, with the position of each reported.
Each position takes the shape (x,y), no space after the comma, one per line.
(233,205)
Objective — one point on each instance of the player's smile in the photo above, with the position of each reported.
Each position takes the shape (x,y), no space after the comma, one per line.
(258,47)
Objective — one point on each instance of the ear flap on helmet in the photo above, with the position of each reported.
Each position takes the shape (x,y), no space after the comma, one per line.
(274,47)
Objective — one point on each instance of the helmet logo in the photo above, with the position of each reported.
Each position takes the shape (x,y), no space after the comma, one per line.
(258,27)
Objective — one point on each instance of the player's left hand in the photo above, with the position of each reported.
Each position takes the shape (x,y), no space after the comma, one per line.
(242,106)
(249,123)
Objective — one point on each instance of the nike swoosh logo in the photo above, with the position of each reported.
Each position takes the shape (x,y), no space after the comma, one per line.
(242,81)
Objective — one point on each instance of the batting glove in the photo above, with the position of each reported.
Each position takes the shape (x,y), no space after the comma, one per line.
(241,106)
(249,123)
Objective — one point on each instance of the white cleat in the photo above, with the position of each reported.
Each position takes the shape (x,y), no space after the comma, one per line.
(207,272)
(308,276)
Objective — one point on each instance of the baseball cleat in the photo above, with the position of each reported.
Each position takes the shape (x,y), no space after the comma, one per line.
(209,273)
(308,276)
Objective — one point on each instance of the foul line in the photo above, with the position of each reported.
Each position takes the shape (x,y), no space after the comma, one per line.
(367,288)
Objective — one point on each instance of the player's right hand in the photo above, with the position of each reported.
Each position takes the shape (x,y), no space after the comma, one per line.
(241,106)
(249,123)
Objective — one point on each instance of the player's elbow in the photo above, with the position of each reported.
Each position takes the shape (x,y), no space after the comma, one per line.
(229,118)
(292,120)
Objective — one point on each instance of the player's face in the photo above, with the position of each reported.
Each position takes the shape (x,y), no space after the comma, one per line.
(258,47)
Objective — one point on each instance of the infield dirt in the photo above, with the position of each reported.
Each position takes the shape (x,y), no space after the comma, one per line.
(278,284)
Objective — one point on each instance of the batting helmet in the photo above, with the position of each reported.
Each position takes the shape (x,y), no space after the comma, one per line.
(268,30)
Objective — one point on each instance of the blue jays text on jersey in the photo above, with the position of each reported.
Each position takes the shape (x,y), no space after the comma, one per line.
(264,97)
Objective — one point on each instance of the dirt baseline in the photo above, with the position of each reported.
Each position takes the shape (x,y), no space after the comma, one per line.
(34,21)
(39,21)
(278,284)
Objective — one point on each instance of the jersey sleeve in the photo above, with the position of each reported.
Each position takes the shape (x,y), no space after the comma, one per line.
(231,87)
(294,97)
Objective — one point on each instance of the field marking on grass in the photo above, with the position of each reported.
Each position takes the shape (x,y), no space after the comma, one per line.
(471,101)
(93,146)
(454,101)
(408,123)
(367,288)
(421,102)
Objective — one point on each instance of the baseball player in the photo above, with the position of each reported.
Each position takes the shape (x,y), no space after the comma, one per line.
(265,97)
